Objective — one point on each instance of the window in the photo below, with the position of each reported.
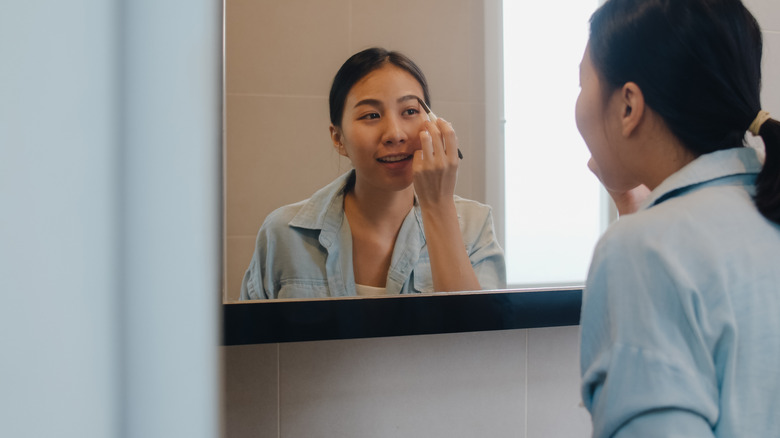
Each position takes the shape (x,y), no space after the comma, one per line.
(555,209)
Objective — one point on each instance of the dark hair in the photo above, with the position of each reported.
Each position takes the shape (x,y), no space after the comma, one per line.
(361,64)
(698,64)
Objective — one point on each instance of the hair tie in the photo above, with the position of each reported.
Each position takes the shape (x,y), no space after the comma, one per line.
(762,117)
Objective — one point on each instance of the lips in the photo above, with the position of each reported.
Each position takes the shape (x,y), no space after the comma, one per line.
(394,158)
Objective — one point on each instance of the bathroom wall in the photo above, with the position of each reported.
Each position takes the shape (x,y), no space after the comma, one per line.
(513,383)
(516,383)
(768,14)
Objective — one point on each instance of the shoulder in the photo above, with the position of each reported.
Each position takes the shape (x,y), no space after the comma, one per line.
(476,222)
(640,242)
(281,243)
(472,210)
(282,216)
(646,253)
(279,227)
(678,248)
(707,224)
(277,223)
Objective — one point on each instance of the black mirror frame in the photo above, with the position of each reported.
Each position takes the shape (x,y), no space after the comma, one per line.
(262,322)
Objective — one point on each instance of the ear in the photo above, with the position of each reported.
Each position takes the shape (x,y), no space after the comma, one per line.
(338,140)
(632,106)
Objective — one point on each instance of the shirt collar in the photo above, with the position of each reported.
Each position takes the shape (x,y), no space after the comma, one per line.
(323,209)
(705,168)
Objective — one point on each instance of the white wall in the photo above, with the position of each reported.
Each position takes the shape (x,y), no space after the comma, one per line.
(109,218)
(59,359)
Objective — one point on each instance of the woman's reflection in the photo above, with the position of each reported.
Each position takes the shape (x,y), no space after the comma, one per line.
(391,225)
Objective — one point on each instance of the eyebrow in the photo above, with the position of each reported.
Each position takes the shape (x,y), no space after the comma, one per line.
(408,97)
(377,102)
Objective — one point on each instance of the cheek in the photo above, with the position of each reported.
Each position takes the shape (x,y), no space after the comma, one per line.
(579,114)
(416,127)
(584,117)
(358,136)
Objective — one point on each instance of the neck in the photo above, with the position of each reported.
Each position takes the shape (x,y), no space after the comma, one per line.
(660,155)
(668,158)
(382,208)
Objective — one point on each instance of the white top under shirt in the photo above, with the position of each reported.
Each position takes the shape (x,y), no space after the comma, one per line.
(369,291)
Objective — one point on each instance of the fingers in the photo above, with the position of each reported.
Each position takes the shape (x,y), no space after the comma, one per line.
(423,156)
(426,142)
(431,137)
(435,165)
(442,140)
(449,139)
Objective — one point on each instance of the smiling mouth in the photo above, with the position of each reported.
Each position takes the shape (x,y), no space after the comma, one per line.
(394,158)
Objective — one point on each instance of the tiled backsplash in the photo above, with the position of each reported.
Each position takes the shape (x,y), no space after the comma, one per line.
(513,383)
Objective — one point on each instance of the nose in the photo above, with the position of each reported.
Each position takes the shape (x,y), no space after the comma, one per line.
(394,132)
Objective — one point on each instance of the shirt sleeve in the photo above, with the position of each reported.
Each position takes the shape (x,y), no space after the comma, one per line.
(487,257)
(253,286)
(646,366)
(249,289)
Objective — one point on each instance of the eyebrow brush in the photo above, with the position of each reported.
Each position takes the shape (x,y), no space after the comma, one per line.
(432,118)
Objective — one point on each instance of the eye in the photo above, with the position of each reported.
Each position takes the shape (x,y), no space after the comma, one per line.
(369,116)
(411,112)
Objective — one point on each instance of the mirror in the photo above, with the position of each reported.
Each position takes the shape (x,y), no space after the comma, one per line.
(281,56)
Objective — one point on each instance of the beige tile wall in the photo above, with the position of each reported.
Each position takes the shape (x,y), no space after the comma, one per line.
(767,12)
(508,383)
(281,56)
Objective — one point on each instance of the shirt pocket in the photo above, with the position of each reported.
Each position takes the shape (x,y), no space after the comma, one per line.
(298,288)
(422,281)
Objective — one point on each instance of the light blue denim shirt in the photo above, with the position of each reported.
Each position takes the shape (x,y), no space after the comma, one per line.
(681,311)
(304,250)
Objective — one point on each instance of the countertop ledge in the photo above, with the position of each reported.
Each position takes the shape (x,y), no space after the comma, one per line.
(262,322)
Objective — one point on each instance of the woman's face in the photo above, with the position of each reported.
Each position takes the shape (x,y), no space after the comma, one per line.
(380,128)
(597,125)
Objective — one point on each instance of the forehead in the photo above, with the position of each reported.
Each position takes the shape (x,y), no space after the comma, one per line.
(388,81)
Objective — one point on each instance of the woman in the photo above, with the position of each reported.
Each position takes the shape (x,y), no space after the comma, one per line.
(392,225)
(681,313)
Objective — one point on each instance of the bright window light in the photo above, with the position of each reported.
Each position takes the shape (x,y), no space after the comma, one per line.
(555,208)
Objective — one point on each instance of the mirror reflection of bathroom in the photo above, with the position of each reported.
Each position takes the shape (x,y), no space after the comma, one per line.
(280,60)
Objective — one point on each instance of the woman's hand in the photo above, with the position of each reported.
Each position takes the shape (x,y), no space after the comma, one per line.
(435,166)
(626,201)
(435,173)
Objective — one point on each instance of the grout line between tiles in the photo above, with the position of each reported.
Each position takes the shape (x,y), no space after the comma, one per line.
(349,26)
(525,405)
(315,96)
(278,393)
(285,96)
(241,236)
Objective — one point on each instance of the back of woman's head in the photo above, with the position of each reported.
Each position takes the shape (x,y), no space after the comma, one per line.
(359,66)
(698,64)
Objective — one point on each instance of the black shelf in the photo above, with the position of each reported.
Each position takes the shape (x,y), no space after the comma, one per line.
(261,322)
